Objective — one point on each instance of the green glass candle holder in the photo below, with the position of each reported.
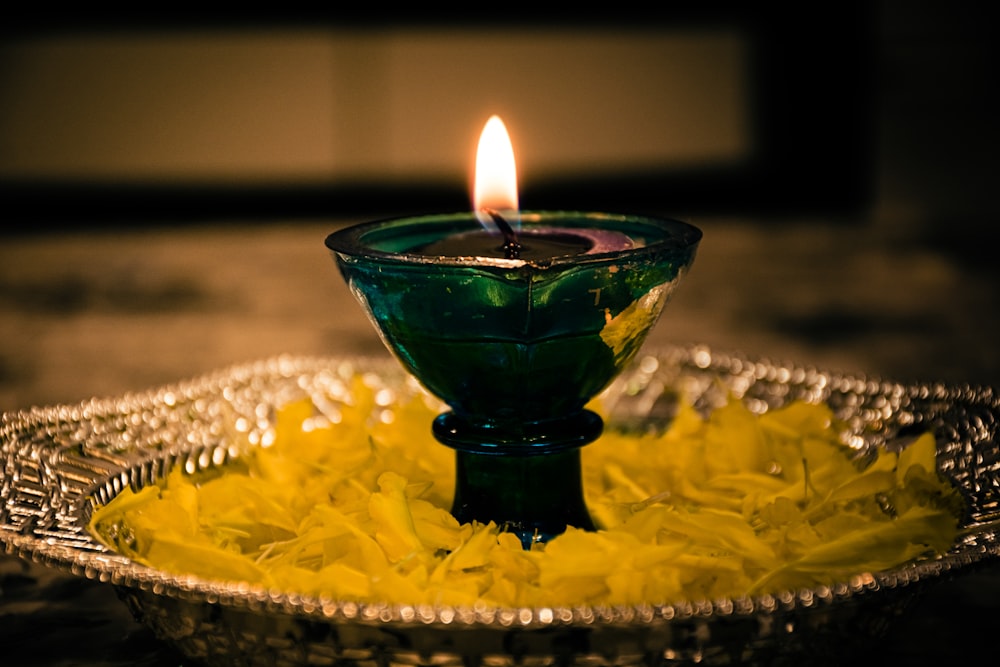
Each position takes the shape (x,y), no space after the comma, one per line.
(516,346)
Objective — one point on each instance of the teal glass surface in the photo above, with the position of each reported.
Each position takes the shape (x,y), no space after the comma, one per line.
(515,347)
(512,342)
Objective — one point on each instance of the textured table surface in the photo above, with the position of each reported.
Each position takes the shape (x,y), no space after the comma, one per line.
(101,313)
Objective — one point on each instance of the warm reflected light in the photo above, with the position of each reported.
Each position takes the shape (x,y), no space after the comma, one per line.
(496,173)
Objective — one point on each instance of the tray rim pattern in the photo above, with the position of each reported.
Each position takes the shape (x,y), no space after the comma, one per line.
(43,525)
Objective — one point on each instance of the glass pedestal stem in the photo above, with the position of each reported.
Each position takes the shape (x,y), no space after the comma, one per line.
(536,496)
(533,488)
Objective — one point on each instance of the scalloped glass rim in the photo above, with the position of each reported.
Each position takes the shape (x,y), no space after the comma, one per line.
(658,234)
(59,460)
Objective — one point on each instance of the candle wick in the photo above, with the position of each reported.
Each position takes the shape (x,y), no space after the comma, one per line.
(511,246)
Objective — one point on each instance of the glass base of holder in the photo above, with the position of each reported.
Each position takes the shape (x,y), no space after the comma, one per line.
(527,481)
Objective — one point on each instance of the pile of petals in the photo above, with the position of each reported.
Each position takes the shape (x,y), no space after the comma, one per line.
(349,507)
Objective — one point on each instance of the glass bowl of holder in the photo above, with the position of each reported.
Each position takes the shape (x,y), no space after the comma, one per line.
(59,462)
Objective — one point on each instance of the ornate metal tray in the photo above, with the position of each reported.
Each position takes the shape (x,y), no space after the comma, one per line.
(58,462)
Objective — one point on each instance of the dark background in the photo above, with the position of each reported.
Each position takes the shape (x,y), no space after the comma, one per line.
(816,78)
(853,106)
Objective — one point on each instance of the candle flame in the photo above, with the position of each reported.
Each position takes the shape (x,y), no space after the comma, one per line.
(496,173)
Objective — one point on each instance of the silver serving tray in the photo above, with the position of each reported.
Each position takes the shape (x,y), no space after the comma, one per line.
(58,463)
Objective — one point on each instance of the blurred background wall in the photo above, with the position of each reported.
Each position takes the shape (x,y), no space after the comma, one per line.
(322,104)
(722,107)
(853,108)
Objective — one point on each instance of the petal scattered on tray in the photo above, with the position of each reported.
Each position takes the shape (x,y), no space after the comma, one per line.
(352,503)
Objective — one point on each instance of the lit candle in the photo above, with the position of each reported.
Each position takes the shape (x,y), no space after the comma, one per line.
(515,319)
(495,203)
